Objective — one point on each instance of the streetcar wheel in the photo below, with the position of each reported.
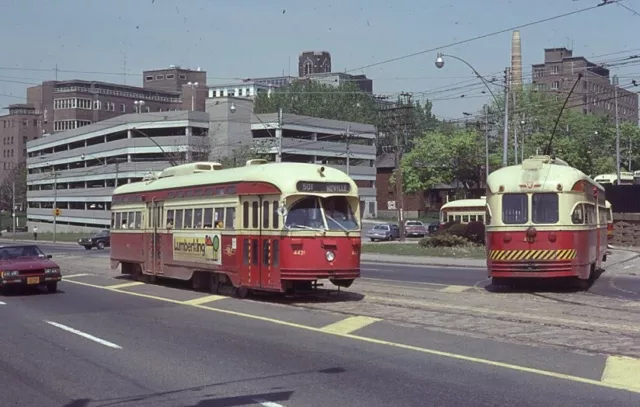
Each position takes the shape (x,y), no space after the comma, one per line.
(214,283)
(241,292)
(346,283)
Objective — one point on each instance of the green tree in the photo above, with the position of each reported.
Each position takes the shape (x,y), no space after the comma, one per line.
(438,157)
(310,98)
(241,155)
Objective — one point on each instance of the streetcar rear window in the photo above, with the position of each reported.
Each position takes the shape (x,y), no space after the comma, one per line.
(545,208)
(515,209)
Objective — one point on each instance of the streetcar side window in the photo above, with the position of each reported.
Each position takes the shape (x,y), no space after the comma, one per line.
(545,208)
(245,215)
(515,209)
(276,216)
(197,218)
(138,220)
(255,212)
(265,214)
(188,218)
(609,215)
(219,218)
(178,219)
(577,217)
(169,219)
(208,218)
(590,212)
(230,218)
(465,218)
(113,220)
(118,217)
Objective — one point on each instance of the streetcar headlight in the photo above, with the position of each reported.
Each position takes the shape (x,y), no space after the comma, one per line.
(331,256)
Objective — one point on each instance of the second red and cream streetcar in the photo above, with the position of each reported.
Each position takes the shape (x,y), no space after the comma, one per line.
(545,219)
(265,226)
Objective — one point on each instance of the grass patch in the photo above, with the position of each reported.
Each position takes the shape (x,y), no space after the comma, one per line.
(411,249)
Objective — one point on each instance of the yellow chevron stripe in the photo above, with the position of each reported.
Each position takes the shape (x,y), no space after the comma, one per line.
(516,255)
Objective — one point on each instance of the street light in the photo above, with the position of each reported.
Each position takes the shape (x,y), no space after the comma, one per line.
(138,104)
(193,86)
(440,63)
(278,137)
(104,163)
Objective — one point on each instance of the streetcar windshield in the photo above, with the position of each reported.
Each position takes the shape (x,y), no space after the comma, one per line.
(307,214)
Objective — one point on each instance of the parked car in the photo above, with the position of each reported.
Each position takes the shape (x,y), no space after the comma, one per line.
(384,231)
(414,228)
(27,265)
(433,227)
(100,240)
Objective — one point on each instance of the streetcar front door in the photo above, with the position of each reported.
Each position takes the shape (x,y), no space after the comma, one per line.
(252,241)
(156,211)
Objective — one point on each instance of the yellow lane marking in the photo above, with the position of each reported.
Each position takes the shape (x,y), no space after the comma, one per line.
(74,275)
(349,325)
(427,351)
(622,371)
(591,324)
(124,285)
(455,289)
(203,300)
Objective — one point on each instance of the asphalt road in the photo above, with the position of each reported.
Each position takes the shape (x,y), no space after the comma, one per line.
(87,347)
(608,285)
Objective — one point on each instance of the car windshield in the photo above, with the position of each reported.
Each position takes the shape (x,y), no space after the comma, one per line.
(21,252)
(307,214)
(381,227)
(414,223)
(103,233)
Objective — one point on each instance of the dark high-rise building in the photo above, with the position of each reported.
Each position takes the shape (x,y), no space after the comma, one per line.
(310,62)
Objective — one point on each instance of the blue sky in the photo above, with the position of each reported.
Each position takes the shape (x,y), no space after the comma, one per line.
(250,38)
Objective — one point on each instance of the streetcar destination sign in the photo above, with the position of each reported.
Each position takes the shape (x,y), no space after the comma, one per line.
(324,187)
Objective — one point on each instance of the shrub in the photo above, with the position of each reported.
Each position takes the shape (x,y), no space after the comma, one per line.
(444,240)
(475,232)
(459,229)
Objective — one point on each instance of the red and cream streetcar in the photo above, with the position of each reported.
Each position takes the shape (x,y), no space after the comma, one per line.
(265,226)
(545,219)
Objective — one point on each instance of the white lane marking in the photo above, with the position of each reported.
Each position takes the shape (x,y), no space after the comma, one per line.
(267,403)
(3,303)
(84,335)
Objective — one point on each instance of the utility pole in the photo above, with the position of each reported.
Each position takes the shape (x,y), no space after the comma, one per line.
(399,200)
(486,143)
(117,164)
(615,96)
(505,137)
(13,210)
(348,133)
(279,135)
(55,203)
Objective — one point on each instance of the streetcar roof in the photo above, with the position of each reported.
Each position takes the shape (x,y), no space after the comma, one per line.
(542,171)
(283,176)
(465,203)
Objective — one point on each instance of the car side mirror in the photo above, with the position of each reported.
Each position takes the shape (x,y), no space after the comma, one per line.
(49,256)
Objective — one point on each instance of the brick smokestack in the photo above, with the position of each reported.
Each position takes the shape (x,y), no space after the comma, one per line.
(516,61)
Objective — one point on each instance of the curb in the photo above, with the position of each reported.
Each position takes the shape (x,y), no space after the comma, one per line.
(9,240)
(364,259)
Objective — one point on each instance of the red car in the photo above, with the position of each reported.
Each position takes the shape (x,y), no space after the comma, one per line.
(27,265)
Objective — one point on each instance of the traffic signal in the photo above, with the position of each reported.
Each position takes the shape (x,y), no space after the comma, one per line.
(56,212)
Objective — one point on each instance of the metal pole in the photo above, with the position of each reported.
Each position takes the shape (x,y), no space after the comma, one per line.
(399,189)
(14,218)
(505,137)
(279,139)
(55,203)
(193,98)
(615,90)
(348,149)
(486,143)
(116,181)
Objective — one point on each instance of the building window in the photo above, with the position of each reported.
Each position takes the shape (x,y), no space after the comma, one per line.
(555,85)
(539,73)
(182,76)
(159,77)
(123,108)
(148,78)
(554,70)
(170,76)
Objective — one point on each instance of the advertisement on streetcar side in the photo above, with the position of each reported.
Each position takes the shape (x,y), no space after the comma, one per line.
(197,247)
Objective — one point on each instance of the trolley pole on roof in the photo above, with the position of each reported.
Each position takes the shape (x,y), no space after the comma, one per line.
(279,135)
(348,136)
